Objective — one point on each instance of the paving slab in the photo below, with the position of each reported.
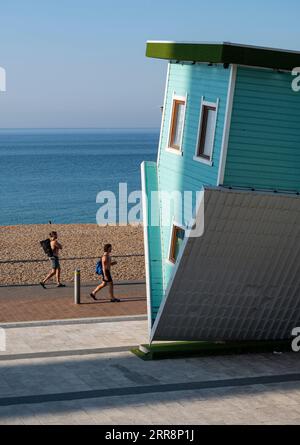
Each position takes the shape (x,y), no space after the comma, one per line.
(76,373)
(100,334)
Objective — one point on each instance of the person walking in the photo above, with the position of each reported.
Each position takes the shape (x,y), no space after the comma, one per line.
(106,275)
(54,258)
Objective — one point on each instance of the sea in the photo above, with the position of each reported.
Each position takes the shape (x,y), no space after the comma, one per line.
(56,175)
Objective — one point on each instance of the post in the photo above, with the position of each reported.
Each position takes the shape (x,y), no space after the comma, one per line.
(77,286)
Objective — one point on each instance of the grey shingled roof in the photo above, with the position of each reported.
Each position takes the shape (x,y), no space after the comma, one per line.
(241,279)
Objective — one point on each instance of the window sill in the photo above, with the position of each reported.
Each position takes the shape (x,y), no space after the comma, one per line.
(203,161)
(174,151)
(170,263)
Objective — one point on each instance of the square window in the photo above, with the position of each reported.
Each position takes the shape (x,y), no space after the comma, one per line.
(207,129)
(178,234)
(177,123)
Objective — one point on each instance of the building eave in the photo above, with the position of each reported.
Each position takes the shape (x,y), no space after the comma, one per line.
(225,53)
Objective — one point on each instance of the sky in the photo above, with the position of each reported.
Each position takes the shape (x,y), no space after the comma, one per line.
(82,64)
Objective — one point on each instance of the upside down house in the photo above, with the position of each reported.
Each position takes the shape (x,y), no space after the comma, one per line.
(225,265)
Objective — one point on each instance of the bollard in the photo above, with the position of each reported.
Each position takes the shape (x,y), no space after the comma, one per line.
(77,286)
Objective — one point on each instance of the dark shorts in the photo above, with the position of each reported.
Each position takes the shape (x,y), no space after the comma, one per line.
(54,262)
(109,278)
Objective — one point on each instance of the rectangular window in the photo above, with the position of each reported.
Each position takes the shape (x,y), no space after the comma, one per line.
(207,131)
(176,243)
(177,123)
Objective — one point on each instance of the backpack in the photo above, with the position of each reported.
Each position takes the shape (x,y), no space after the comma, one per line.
(46,246)
(99,269)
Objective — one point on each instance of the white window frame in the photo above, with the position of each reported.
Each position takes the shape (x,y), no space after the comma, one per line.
(169,148)
(202,105)
(180,226)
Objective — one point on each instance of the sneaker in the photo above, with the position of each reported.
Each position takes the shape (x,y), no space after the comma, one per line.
(93,296)
(61,285)
(115,300)
(43,285)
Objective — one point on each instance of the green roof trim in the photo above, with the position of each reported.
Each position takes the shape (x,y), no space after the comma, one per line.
(224,53)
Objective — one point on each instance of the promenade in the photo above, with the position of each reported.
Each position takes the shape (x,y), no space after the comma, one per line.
(81,371)
(33,303)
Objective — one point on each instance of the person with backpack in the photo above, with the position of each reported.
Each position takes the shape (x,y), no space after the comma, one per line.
(51,248)
(103,269)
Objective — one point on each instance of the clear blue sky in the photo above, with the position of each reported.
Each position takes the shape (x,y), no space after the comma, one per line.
(81,63)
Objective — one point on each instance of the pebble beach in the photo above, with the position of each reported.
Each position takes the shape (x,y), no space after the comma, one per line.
(22,243)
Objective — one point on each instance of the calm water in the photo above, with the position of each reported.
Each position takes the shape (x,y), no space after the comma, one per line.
(56,174)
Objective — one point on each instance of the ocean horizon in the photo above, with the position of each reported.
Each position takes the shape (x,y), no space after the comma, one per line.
(55,174)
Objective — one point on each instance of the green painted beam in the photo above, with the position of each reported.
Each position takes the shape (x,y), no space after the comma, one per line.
(182,51)
(224,53)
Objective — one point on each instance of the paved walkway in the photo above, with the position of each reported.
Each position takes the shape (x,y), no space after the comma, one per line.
(27,303)
(83,335)
(81,372)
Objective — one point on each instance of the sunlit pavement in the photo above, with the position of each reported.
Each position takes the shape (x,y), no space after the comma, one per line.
(81,372)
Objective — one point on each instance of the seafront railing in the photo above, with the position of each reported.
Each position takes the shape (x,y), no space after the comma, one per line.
(44,260)
(27,272)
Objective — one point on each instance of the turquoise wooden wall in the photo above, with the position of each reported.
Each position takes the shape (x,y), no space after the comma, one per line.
(264,141)
(154,237)
(263,148)
(182,172)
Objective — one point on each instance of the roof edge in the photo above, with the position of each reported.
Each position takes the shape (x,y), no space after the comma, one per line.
(226,52)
